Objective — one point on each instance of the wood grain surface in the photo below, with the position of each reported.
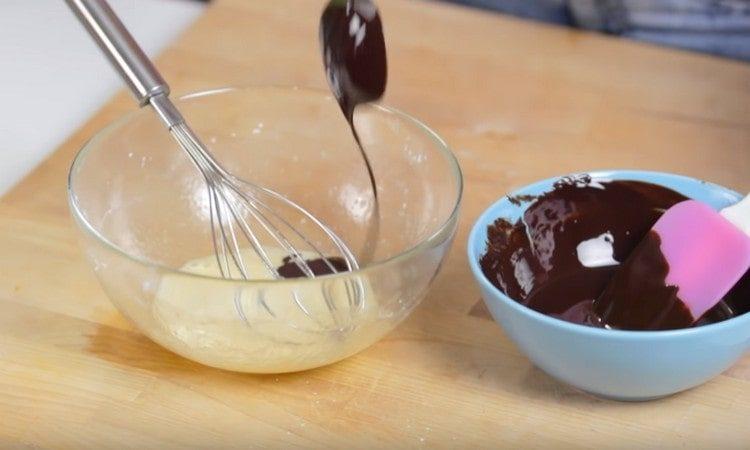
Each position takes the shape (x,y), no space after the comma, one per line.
(517,102)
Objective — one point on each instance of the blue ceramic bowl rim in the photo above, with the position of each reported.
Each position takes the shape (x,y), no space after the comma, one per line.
(478,231)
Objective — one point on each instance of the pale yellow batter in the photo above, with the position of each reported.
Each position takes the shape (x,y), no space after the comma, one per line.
(266,327)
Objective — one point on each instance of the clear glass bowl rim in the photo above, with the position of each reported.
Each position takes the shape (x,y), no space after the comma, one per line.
(439,235)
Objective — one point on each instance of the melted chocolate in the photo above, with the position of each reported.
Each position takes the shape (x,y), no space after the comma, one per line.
(638,297)
(351,37)
(289,269)
(519,199)
(536,262)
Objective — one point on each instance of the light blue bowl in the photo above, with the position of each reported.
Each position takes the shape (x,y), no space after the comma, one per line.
(622,365)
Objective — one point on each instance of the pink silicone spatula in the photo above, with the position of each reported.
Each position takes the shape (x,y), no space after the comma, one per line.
(689,260)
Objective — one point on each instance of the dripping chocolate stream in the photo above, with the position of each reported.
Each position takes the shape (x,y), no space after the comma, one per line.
(354,56)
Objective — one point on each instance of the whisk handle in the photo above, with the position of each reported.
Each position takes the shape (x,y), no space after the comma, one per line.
(122,50)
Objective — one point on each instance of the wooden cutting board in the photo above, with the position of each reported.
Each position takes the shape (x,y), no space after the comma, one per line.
(517,102)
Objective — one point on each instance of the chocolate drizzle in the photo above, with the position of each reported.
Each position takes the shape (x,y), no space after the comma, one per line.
(536,260)
(351,38)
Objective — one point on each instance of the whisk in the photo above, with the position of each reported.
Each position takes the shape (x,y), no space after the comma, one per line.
(241,213)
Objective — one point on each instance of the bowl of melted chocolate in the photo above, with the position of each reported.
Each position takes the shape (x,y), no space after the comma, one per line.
(544,254)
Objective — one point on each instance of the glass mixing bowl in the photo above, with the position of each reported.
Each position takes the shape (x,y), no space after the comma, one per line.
(143,213)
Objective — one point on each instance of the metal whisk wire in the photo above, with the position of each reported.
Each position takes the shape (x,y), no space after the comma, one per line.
(227,201)
(232,202)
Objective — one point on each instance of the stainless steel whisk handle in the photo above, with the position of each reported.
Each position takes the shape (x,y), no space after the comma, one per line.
(122,50)
(124,53)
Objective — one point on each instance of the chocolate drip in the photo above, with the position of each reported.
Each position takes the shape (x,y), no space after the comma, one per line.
(289,269)
(351,37)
